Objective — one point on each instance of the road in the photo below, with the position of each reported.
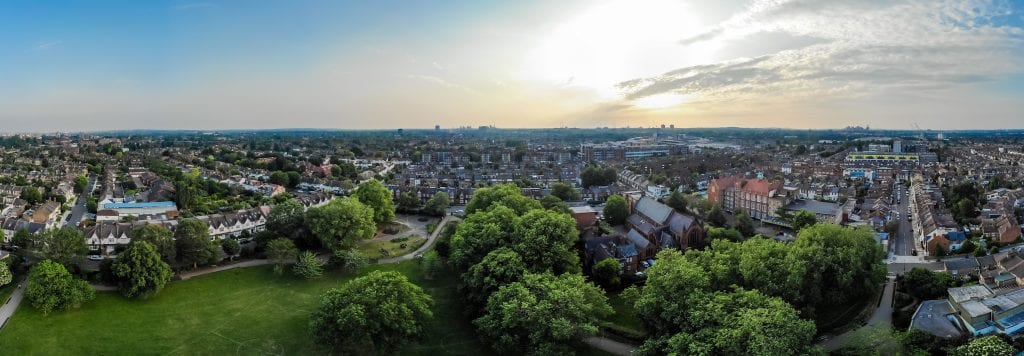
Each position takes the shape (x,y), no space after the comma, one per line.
(904,239)
(8,308)
(80,208)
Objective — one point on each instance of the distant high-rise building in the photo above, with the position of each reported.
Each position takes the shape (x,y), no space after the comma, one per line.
(437,127)
(897,146)
(425,158)
(662,125)
(485,158)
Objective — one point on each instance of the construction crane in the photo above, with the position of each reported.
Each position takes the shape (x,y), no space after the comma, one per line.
(924,137)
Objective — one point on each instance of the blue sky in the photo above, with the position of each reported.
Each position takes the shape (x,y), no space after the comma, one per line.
(89,65)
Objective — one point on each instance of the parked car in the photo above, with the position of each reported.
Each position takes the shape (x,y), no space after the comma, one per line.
(95,258)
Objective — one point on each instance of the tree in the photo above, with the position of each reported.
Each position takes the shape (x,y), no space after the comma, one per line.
(565,192)
(480,233)
(22,238)
(542,314)
(802,219)
(140,270)
(279,178)
(231,247)
(498,268)
(294,178)
(5,274)
(985,346)
(408,202)
(676,201)
(376,313)
(684,313)
(433,265)
(923,284)
(835,265)
(193,241)
(716,217)
(32,195)
(51,287)
(594,175)
(308,266)
(341,223)
(606,273)
(615,210)
(553,203)
(508,195)
(744,224)
(892,227)
(351,259)
(160,237)
(437,205)
(281,251)
(81,182)
(62,245)
(376,196)
(287,219)
(543,239)
(720,233)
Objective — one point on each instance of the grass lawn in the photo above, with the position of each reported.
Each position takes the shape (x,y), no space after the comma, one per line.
(624,315)
(247,311)
(372,248)
(394,227)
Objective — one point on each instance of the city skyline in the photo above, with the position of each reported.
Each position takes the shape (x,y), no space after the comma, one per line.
(789,64)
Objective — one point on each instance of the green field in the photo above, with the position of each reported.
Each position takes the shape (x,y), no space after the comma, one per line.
(247,311)
(624,315)
(372,249)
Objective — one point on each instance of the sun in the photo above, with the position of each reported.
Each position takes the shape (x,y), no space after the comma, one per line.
(615,41)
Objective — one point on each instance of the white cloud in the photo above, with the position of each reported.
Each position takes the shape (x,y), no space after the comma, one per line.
(46,45)
(862,47)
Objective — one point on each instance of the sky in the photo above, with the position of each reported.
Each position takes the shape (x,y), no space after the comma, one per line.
(101,65)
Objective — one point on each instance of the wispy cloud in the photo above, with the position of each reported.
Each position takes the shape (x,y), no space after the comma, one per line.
(444,83)
(196,6)
(47,45)
(863,47)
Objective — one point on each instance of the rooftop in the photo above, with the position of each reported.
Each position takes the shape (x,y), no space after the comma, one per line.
(932,317)
(962,294)
(156,204)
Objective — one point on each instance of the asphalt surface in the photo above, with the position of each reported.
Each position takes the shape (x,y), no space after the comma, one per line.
(904,239)
(79,210)
(881,316)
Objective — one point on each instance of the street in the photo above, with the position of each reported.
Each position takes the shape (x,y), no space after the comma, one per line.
(80,208)
(903,242)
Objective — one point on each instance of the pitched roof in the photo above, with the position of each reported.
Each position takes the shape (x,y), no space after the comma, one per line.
(652,209)
(637,239)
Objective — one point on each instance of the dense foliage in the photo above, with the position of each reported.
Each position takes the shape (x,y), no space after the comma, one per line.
(341,223)
(376,313)
(376,196)
(51,287)
(140,271)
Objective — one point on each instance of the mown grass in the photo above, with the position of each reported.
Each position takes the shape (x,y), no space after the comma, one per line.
(372,249)
(247,311)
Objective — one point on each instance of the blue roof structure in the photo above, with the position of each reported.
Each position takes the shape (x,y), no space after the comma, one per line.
(156,204)
(956,236)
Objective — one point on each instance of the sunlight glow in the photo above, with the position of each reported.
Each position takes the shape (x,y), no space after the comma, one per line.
(613,42)
(660,101)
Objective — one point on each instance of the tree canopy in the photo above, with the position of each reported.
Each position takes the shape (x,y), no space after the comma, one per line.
(161,238)
(542,313)
(802,219)
(140,270)
(308,266)
(51,287)
(341,223)
(593,175)
(616,210)
(508,195)
(985,346)
(500,267)
(62,245)
(194,244)
(716,216)
(565,192)
(437,205)
(378,197)
(676,201)
(378,312)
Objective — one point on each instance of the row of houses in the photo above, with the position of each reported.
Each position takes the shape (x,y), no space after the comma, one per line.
(933,225)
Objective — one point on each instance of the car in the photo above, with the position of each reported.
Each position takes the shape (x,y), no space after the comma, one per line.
(95,258)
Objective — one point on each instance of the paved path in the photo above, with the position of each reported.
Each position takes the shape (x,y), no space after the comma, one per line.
(881,316)
(610,346)
(426,245)
(10,305)
(200,272)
